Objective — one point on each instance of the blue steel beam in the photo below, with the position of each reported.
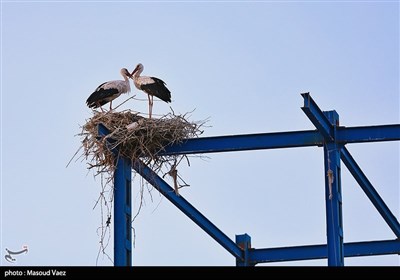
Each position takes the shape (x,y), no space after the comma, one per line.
(244,242)
(333,198)
(312,252)
(122,207)
(317,117)
(246,142)
(276,140)
(122,213)
(362,134)
(370,191)
(326,123)
(188,209)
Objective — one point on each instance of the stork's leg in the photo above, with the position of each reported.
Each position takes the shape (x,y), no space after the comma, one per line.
(110,105)
(101,108)
(150,104)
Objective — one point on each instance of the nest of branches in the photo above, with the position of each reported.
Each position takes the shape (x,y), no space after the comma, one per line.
(135,137)
(129,135)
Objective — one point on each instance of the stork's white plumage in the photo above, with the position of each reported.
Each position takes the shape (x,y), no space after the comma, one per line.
(108,91)
(150,85)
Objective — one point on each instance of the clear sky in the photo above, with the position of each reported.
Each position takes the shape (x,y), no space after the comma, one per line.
(241,64)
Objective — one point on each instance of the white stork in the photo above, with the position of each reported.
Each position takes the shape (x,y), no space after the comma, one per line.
(108,91)
(150,85)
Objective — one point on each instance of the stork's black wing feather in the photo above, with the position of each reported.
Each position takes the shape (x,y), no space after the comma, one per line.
(158,89)
(101,96)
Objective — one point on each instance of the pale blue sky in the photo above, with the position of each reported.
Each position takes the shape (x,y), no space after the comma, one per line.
(241,64)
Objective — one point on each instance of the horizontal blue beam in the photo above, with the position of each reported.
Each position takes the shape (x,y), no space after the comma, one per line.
(188,209)
(372,248)
(246,142)
(370,191)
(297,253)
(275,140)
(362,134)
(317,117)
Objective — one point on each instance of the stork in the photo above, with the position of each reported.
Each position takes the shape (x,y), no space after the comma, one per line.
(150,85)
(108,91)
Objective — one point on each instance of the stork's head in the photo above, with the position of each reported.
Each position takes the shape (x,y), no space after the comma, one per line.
(125,72)
(138,69)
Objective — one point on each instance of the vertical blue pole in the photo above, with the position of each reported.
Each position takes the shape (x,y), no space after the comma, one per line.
(122,213)
(333,197)
(244,242)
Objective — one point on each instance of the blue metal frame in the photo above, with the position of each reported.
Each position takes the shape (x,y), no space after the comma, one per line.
(122,207)
(333,198)
(329,135)
(326,123)
(244,242)
(123,215)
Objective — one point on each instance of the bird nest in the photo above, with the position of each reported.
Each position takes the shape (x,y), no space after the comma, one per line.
(106,136)
(135,137)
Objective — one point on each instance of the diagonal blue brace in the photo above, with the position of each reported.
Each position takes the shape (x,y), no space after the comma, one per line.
(317,117)
(370,191)
(188,209)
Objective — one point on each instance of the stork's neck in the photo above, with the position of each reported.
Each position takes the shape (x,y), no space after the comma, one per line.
(127,84)
(128,88)
(136,77)
(137,73)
